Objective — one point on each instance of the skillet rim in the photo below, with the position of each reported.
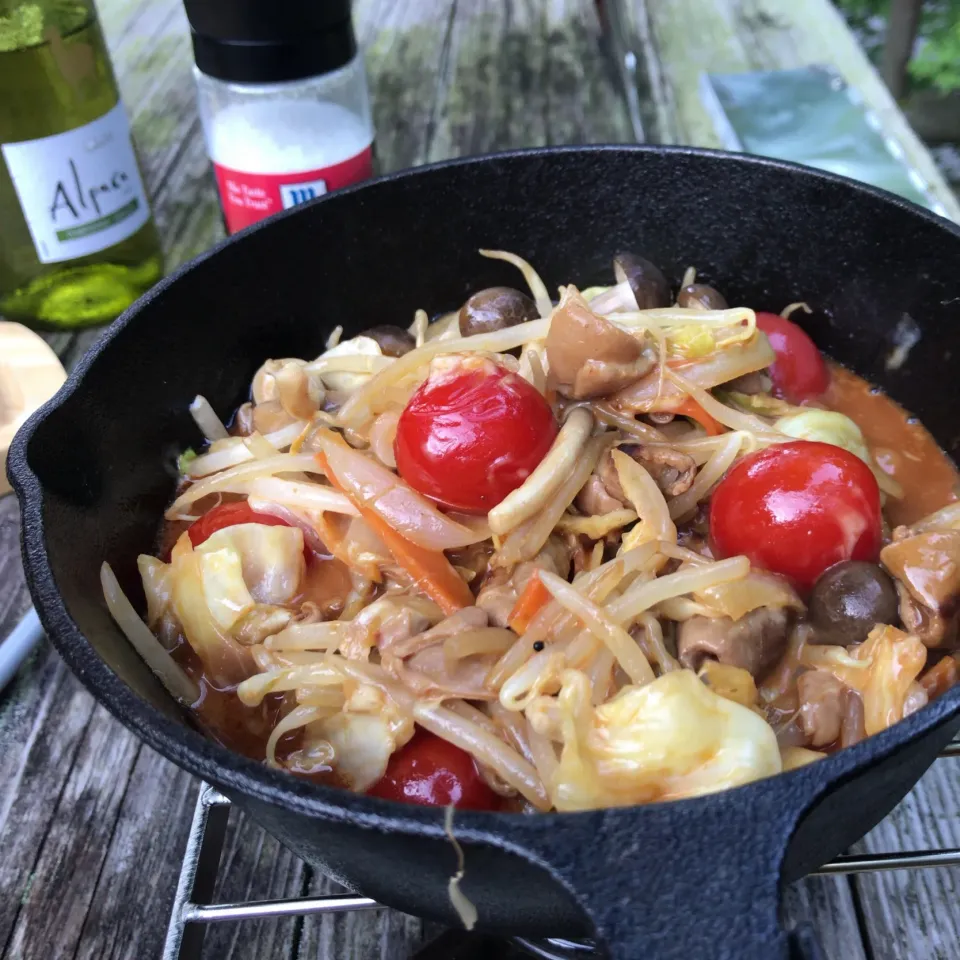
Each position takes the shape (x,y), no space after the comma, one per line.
(208,760)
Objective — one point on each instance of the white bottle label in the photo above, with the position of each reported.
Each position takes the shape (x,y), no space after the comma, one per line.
(80,191)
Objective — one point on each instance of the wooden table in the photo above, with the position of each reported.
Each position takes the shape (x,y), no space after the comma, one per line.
(92,823)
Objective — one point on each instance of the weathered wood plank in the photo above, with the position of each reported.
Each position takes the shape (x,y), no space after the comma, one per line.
(690,37)
(913,913)
(369,935)
(827,904)
(406,43)
(56,843)
(133,894)
(526,74)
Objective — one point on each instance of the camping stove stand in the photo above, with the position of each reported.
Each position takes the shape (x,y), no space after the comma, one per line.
(192,908)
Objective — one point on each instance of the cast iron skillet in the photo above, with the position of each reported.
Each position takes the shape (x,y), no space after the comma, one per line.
(697,878)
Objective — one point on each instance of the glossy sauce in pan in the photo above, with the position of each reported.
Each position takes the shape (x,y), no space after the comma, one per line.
(901,445)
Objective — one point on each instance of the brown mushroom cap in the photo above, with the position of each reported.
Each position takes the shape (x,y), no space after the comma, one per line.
(700,296)
(393,341)
(646,280)
(495,308)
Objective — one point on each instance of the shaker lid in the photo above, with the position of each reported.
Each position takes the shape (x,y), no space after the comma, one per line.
(270,41)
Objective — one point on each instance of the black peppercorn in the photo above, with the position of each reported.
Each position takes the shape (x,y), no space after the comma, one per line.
(538,646)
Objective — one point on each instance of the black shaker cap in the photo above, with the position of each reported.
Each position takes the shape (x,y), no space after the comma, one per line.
(270,41)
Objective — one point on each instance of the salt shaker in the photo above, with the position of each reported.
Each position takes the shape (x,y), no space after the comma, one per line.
(283,101)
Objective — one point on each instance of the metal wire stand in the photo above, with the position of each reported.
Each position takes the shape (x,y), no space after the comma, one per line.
(192,908)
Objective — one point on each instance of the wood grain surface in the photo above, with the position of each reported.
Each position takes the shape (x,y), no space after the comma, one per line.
(92,823)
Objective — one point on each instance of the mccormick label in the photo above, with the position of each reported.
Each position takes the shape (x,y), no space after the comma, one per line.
(249,197)
(80,191)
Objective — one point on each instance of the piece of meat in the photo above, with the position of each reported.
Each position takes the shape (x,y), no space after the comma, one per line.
(852,729)
(821,706)
(941,677)
(469,618)
(588,355)
(755,642)
(426,673)
(751,383)
(242,425)
(934,629)
(270,416)
(503,585)
(595,500)
(673,471)
(928,564)
(599,378)
(915,699)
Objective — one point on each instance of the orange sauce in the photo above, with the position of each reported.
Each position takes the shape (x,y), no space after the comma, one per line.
(900,444)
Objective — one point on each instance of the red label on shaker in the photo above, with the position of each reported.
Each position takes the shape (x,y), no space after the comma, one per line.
(249,197)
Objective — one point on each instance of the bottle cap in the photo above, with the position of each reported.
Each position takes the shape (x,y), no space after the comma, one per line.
(270,41)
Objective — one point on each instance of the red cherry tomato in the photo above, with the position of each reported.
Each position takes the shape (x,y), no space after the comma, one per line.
(799,372)
(229,515)
(796,509)
(434,773)
(471,434)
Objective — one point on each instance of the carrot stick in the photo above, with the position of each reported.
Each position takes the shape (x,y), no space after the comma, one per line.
(690,408)
(431,571)
(534,597)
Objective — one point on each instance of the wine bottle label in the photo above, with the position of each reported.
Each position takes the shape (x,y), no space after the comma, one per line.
(80,191)
(249,197)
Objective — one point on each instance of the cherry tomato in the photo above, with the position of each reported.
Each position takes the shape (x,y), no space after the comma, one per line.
(434,773)
(799,372)
(796,509)
(229,515)
(473,432)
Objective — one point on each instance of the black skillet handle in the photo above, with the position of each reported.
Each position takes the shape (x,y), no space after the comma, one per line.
(702,882)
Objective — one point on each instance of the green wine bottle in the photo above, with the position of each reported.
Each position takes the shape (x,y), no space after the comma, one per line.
(77,242)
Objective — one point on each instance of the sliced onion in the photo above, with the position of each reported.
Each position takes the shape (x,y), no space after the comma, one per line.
(372,485)
(612,418)
(167,670)
(236,451)
(366,400)
(619,298)
(296,518)
(470,643)
(648,502)
(246,472)
(640,597)
(719,367)
(305,495)
(252,691)
(259,446)
(525,541)
(739,597)
(486,748)
(534,493)
(618,641)
(309,636)
(205,417)
(734,419)
(383,432)
(298,717)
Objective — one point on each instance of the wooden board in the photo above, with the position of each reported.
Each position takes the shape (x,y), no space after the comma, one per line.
(92,824)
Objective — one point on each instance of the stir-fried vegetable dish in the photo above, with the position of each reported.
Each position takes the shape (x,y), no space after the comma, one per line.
(628,545)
